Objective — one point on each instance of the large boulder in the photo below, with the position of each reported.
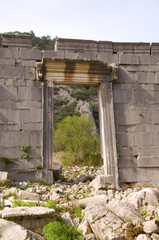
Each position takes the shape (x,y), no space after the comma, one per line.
(11,231)
(145,197)
(103,222)
(125,211)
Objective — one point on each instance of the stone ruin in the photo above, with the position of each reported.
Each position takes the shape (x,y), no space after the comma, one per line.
(127,75)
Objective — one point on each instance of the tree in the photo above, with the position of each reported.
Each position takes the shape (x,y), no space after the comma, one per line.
(74,136)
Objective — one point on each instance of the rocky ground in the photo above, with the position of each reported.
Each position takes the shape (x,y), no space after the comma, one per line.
(129,213)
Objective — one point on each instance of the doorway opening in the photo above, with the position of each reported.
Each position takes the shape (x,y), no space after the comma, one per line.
(76,126)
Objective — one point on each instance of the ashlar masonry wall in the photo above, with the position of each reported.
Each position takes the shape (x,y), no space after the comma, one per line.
(20,112)
(135,98)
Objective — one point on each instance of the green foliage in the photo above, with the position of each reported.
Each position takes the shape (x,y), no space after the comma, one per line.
(60,230)
(84,92)
(78,213)
(25,149)
(74,137)
(64,111)
(2,205)
(4,184)
(144,213)
(39,167)
(53,204)
(20,203)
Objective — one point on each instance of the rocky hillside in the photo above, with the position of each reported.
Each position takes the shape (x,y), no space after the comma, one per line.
(81,198)
(76,100)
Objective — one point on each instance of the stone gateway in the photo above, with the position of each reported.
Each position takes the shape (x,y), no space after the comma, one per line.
(127,76)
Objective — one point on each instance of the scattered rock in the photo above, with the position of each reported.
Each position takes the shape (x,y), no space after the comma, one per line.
(151,226)
(67,217)
(5,176)
(102,182)
(155,236)
(23,185)
(83,178)
(143,237)
(27,195)
(11,231)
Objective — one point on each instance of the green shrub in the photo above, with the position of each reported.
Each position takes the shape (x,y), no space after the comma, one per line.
(20,203)
(60,230)
(74,136)
(53,204)
(78,213)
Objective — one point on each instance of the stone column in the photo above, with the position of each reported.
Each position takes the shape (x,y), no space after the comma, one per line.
(48,124)
(107,132)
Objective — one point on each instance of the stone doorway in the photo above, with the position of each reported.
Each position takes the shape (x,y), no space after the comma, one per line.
(80,72)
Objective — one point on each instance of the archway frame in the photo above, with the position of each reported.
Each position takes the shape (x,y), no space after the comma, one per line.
(81,72)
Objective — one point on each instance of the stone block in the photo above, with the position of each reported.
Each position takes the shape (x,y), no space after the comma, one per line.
(14,72)
(14,138)
(9,53)
(10,62)
(27,195)
(19,115)
(53,54)
(76,45)
(11,152)
(145,77)
(126,77)
(148,162)
(43,175)
(128,59)
(105,47)
(8,93)
(133,48)
(35,138)
(30,93)
(36,115)
(30,54)
(57,170)
(122,96)
(107,57)
(155,49)
(127,162)
(148,59)
(144,139)
(125,139)
(29,63)
(81,55)
(5,176)
(16,40)
(102,182)
(157,77)
(32,126)
(139,175)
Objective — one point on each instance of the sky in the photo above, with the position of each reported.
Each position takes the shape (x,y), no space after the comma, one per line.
(109,20)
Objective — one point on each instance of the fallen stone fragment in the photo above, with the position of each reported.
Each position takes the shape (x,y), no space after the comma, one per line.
(102,182)
(99,199)
(84,177)
(151,226)
(116,236)
(11,231)
(67,218)
(85,228)
(5,176)
(143,237)
(125,211)
(102,221)
(155,236)
(27,195)
(32,218)
(145,197)
(23,185)
(90,236)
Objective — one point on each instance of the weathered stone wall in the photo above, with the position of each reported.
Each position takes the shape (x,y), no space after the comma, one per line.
(20,108)
(136,103)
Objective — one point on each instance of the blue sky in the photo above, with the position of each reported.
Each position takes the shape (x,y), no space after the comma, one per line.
(110,20)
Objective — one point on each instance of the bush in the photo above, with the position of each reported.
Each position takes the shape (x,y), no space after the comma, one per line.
(60,230)
(74,136)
